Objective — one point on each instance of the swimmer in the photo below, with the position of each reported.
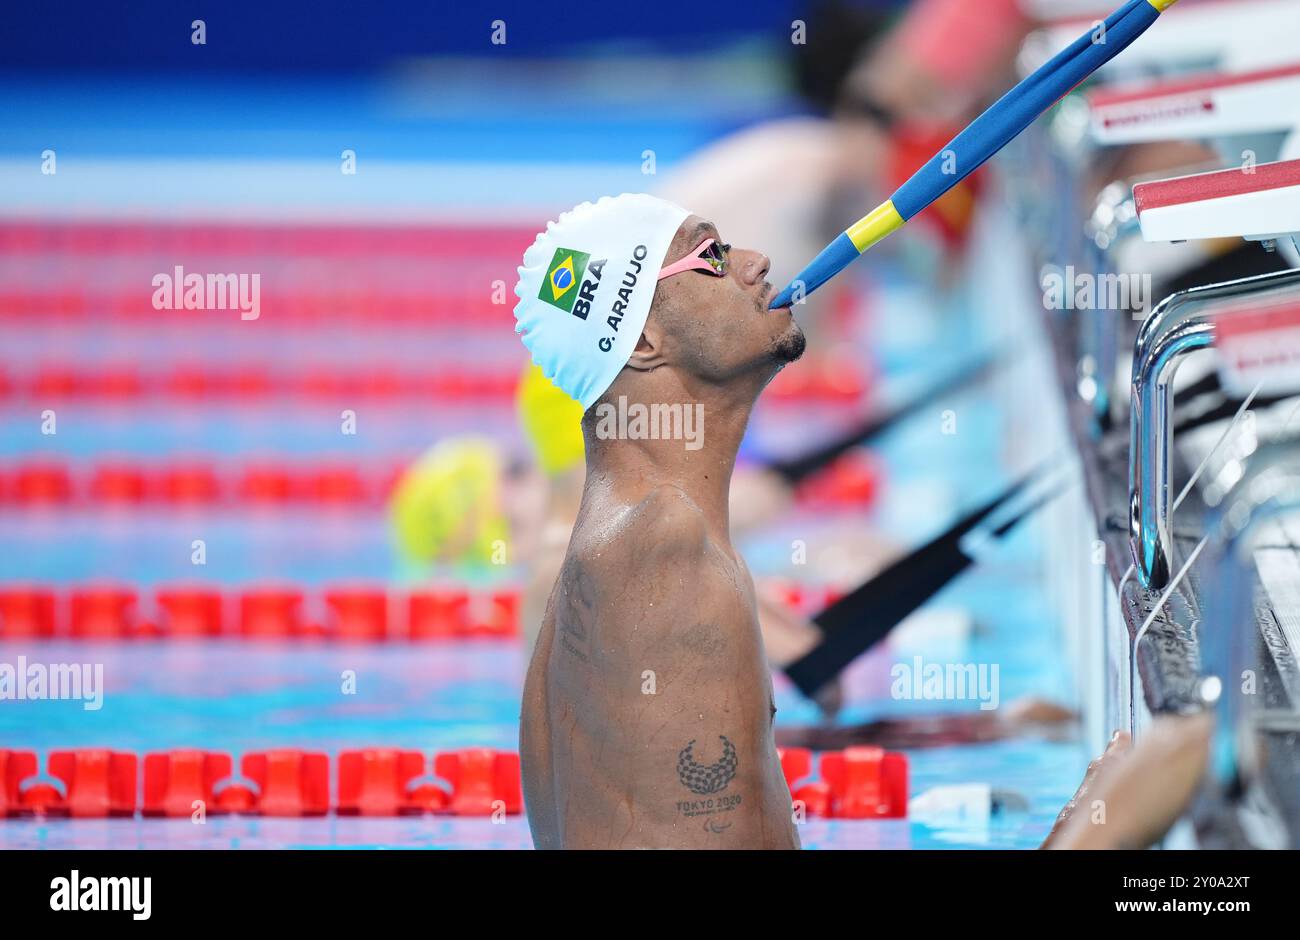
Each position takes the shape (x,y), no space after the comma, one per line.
(647,717)
(459,506)
(552,423)
(456,507)
(1026,717)
(446,507)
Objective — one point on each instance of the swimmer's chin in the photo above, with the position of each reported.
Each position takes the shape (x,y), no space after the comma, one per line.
(790,347)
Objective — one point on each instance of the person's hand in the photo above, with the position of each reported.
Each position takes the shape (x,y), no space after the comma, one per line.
(1119,744)
(1136,794)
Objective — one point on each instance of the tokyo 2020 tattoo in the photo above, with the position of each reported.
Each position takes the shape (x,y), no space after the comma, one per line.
(706,778)
(708,781)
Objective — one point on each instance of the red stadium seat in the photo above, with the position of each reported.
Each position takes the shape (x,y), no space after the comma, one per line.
(289,782)
(374,782)
(482,780)
(26,613)
(99,782)
(103,613)
(175,780)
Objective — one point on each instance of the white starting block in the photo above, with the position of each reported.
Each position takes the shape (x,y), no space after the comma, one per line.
(1258,339)
(1207,107)
(1260,203)
(1259,343)
(1232,35)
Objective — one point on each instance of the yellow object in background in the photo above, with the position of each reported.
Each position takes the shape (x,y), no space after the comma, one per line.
(552,421)
(446,507)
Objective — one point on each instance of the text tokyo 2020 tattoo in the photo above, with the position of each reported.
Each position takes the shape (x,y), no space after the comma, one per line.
(708,781)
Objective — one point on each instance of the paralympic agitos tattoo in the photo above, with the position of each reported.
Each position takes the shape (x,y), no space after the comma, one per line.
(708,780)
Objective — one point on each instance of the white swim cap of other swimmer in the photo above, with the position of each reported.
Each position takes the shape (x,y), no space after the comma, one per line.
(586,285)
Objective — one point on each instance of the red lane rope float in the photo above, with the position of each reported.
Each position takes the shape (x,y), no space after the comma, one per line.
(843,384)
(227,238)
(851,481)
(89,267)
(43,482)
(450,383)
(485,309)
(432,307)
(345,613)
(857,783)
(285,782)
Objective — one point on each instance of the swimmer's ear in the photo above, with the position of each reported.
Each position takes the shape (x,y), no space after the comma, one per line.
(648,354)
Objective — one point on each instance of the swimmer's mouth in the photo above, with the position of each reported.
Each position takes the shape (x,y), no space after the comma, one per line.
(768,290)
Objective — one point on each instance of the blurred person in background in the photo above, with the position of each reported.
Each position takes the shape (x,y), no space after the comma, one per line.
(884,91)
(455,504)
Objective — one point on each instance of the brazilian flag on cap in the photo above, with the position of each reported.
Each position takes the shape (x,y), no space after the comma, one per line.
(560,288)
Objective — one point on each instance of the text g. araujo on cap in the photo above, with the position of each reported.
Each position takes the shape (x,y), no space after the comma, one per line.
(586,286)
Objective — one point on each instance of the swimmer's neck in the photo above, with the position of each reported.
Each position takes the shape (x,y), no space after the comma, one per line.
(632,466)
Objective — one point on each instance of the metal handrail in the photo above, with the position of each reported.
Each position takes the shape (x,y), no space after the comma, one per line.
(1180,324)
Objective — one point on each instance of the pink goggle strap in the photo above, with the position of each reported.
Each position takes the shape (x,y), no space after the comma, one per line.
(692,262)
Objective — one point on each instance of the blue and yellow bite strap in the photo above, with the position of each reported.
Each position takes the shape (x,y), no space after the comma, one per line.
(984,137)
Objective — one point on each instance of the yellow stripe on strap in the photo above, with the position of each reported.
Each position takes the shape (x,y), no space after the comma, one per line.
(1162,5)
(882,222)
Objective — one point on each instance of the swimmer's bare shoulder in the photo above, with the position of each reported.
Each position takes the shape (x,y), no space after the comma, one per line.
(657,689)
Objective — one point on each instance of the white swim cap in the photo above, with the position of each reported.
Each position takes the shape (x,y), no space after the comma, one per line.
(586,285)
